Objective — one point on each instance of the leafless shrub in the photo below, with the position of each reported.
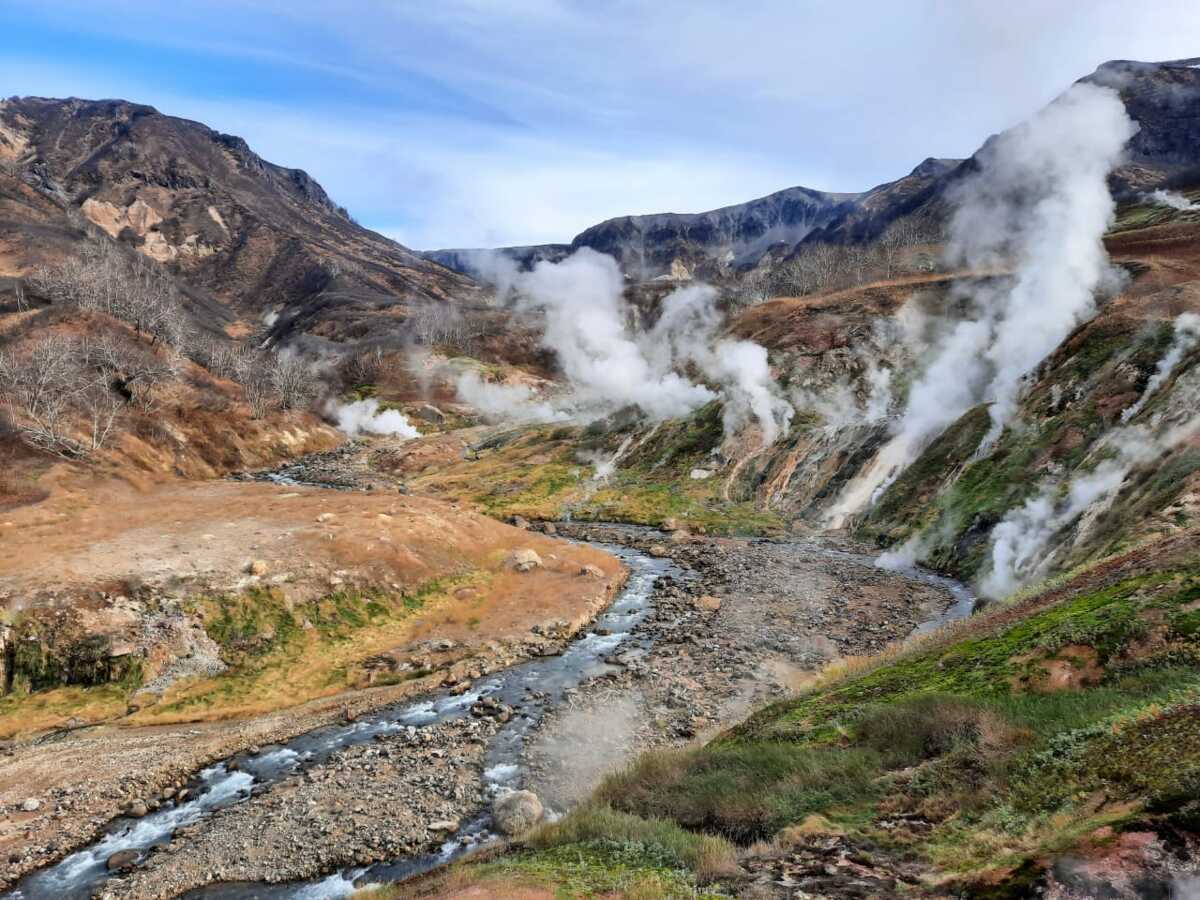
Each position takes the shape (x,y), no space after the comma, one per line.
(364,367)
(57,385)
(102,278)
(259,393)
(440,324)
(292,380)
(19,293)
(136,373)
(754,287)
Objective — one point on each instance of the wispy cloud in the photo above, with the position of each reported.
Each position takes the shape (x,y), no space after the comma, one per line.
(531,119)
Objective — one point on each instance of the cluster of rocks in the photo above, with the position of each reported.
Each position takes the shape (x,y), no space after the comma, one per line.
(744,627)
(397,796)
(827,865)
(344,468)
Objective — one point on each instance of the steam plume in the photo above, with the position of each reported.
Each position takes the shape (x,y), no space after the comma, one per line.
(366,416)
(1021,544)
(609,367)
(1187,335)
(1171,199)
(1039,203)
(505,402)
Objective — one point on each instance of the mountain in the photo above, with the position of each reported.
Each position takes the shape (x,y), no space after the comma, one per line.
(1163,98)
(687,244)
(257,237)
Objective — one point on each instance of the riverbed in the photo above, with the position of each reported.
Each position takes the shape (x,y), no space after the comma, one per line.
(703,631)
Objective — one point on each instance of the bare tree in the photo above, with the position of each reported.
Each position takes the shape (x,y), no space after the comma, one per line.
(292,380)
(103,279)
(896,238)
(754,286)
(37,392)
(19,293)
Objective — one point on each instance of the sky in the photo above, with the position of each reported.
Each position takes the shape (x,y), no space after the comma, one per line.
(466,123)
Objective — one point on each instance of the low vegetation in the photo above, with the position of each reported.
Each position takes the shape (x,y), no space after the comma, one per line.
(565,472)
(278,654)
(1069,715)
(594,851)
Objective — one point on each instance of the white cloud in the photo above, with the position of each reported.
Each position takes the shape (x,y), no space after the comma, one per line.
(527,121)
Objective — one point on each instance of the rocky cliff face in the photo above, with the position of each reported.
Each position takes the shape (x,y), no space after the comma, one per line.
(1164,99)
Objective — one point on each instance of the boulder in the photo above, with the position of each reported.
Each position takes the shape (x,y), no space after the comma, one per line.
(258,567)
(658,550)
(669,525)
(708,602)
(444,825)
(524,560)
(137,809)
(430,413)
(122,860)
(590,571)
(519,522)
(516,812)
(31,805)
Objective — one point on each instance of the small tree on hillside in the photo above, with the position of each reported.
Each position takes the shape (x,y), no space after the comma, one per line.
(896,238)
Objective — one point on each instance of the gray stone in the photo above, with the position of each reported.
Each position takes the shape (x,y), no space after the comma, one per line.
(516,812)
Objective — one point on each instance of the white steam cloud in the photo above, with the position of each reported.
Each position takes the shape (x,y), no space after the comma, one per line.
(505,402)
(1039,203)
(840,405)
(1171,199)
(1187,335)
(1022,544)
(365,416)
(609,367)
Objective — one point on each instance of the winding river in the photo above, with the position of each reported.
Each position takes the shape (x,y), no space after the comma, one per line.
(233,781)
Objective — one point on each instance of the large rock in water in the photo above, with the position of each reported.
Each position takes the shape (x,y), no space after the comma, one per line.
(517,811)
(122,860)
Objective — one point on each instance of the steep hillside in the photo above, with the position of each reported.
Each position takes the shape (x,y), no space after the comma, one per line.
(258,237)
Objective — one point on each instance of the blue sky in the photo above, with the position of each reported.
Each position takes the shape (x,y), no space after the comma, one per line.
(473,123)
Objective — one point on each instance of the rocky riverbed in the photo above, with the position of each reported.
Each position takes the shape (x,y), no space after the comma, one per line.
(758,619)
(399,795)
(750,621)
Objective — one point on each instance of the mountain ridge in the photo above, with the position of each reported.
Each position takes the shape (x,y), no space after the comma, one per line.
(1163,97)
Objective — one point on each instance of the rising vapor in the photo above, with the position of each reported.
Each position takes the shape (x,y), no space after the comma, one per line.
(1171,199)
(608,366)
(1039,205)
(365,416)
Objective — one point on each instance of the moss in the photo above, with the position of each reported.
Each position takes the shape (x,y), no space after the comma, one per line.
(41,662)
(981,665)
(904,504)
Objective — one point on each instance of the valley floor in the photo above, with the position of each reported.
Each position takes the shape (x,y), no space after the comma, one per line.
(754,621)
